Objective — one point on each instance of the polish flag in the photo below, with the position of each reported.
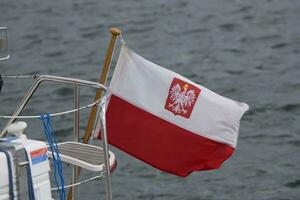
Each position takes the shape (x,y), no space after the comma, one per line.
(168,121)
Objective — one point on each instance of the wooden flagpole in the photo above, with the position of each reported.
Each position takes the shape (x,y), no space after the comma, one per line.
(115,32)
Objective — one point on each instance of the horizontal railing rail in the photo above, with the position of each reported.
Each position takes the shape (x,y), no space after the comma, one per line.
(41,78)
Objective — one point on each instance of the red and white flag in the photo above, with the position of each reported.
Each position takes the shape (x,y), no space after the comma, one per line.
(167,120)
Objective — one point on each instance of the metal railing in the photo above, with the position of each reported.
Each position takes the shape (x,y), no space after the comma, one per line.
(41,78)
(100,103)
(4,43)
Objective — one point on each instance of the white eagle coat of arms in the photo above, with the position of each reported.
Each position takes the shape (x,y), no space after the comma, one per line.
(181,98)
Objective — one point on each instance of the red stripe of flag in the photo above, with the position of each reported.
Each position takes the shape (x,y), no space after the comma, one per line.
(160,143)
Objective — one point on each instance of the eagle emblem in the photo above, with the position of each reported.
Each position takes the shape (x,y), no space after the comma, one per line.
(182,98)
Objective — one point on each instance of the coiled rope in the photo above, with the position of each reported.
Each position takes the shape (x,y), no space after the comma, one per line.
(57,163)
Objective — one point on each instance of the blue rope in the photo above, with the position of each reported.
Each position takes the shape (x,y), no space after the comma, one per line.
(57,164)
(10,175)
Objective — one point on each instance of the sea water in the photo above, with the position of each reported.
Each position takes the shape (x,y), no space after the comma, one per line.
(245,50)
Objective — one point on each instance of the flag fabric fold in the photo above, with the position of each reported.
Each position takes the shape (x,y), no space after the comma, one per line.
(168,121)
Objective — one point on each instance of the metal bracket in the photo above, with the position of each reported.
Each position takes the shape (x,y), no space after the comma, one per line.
(4,43)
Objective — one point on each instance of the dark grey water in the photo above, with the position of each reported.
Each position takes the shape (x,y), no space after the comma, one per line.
(246,50)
